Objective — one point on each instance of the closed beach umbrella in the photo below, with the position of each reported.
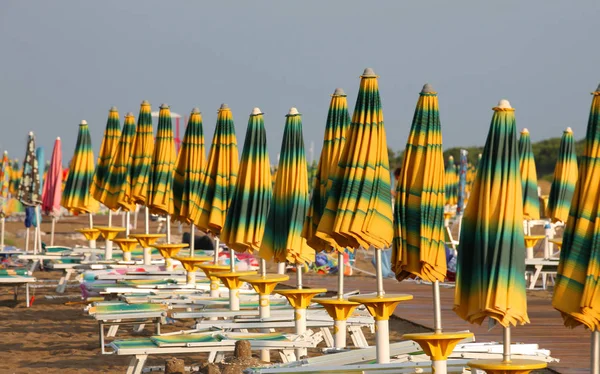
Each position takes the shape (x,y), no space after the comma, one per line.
(451,182)
(143,149)
(28,192)
(112,133)
(338,121)
(160,183)
(76,197)
(531,202)
(188,172)
(116,191)
(282,240)
(53,187)
(491,254)
(247,215)
(565,179)
(418,248)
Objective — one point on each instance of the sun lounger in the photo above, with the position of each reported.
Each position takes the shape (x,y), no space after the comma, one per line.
(536,266)
(15,278)
(453,366)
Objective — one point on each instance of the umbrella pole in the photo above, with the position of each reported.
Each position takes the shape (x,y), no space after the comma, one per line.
(506,345)
(300,313)
(340,275)
(380,292)
(2,238)
(192,239)
(263,267)
(35,240)
(437,310)
(27,239)
(147,220)
(91,220)
(168,229)
(281,267)
(51,234)
(38,229)
(216,251)
(595,352)
(232,260)
(299,276)
(109,218)
(127,223)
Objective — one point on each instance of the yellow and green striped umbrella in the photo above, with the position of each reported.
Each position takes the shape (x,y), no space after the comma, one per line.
(283,239)
(160,182)
(112,133)
(338,121)
(143,149)
(565,179)
(577,283)
(116,192)
(418,247)
(4,182)
(247,215)
(490,272)
(188,173)
(451,178)
(531,202)
(218,181)
(359,206)
(76,197)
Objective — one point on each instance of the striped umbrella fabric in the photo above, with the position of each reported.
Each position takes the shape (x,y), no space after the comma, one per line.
(283,239)
(491,253)
(220,176)
(29,185)
(418,246)
(247,216)
(565,179)
(143,149)
(117,188)
(4,183)
(53,186)
(577,285)
(359,206)
(76,197)
(531,202)
(451,182)
(188,173)
(160,183)
(338,122)
(462,182)
(112,133)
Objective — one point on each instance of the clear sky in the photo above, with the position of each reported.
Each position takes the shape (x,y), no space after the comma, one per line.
(64,61)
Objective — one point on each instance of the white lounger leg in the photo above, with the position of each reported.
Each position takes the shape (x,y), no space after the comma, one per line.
(136,365)
(327,337)
(139,328)
(27,294)
(287,355)
(112,330)
(357,336)
(62,283)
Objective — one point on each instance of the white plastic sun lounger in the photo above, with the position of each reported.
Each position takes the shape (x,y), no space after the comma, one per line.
(16,278)
(536,267)
(453,366)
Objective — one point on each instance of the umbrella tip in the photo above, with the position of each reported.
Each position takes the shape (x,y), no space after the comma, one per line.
(195,110)
(164,106)
(369,73)
(293,111)
(256,111)
(145,102)
(504,104)
(224,106)
(525,131)
(113,109)
(339,92)
(30,133)
(129,114)
(427,88)
(83,122)
(569,130)
(58,138)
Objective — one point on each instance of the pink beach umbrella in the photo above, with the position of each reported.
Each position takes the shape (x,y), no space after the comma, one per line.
(53,187)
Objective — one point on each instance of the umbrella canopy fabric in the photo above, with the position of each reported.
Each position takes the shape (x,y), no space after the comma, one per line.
(4,183)
(76,196)
(359,206)
(112,133)
(39,154)
(462,182)
(29,185)
(577,285)
(143,149)
(338,121)
(247,216)
(451,178)
(491,253)
(160,183)
(418,247)
(53,185)
(188,173)
(220,176)
(116,191)
(283,239)
(531,202)
(565,179)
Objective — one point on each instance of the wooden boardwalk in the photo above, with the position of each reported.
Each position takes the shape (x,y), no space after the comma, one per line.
(571,346)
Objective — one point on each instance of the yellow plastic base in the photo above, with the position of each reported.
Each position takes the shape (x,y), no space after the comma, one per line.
(438,346)
(90,234)
(192,263)
(301,298)
(169,250)
(264,285)
(519,366)
(211,269)
(147,240)
(232,280)
(126,245)
(338,309)
(380,307)
(109,233)
(557,242)
(448,215)
(531,240)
